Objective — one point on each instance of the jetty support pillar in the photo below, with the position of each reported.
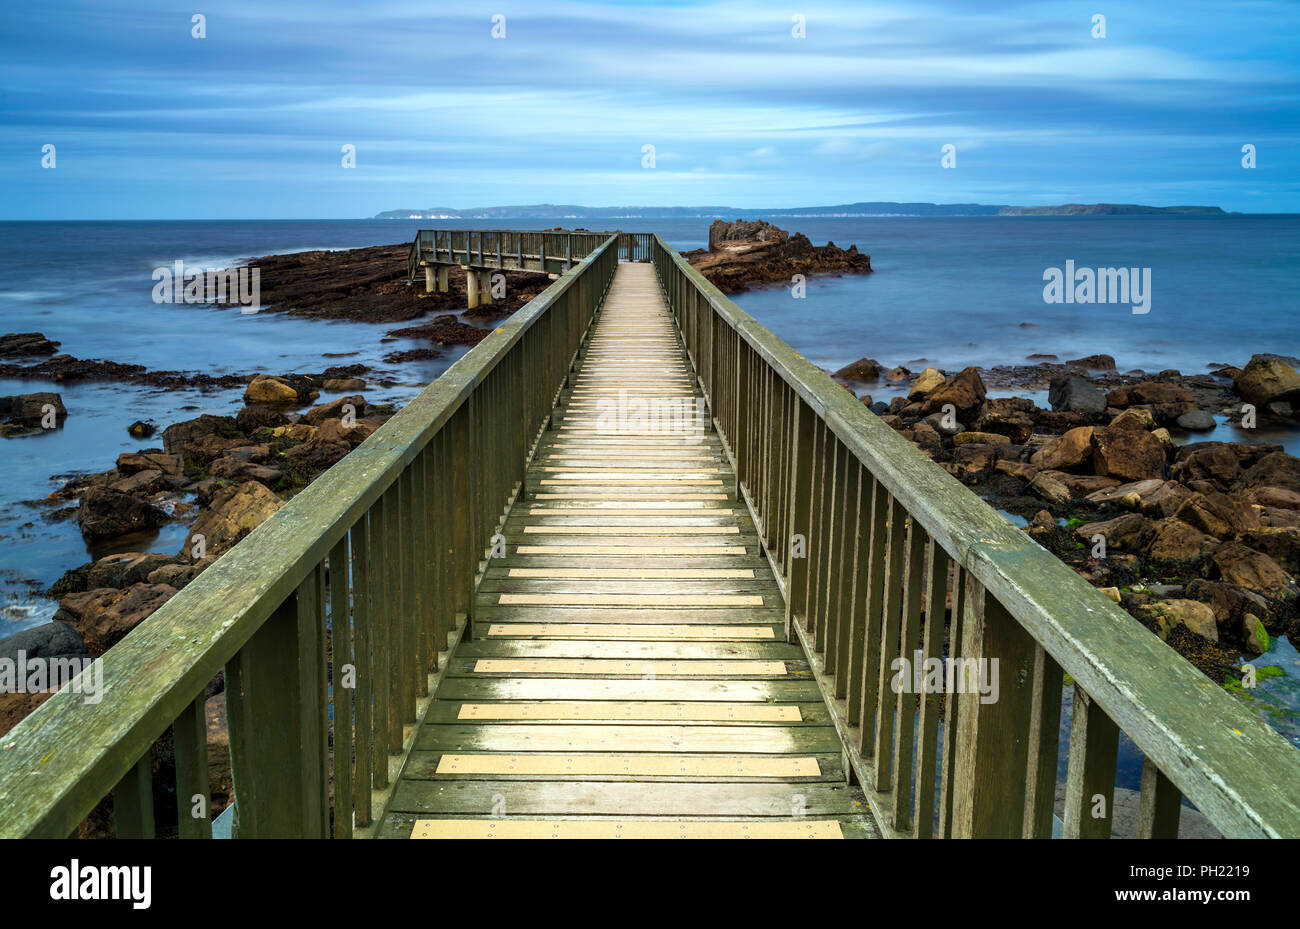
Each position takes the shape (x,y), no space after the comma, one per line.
(485,287)
(471,288)
(430,277)
(442,279)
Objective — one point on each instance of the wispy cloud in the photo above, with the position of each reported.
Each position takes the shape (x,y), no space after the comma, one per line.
(249,121)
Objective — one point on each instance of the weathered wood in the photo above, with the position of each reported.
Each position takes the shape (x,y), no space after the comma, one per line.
(133,801)
(367,748)
(264,715)
(1090,777)
(1159,804)
(341,690)
(1044,735)
(909,640)
(193,790)
(890,623)
(991,761)
(597,665)
(928,726)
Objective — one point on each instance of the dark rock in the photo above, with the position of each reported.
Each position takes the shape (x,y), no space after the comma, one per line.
(1172,543)
(1267,378)
(743,253)
(1275,470)
(1196,421)
(141,429)
(1073,394)
(334,409)
(1166,400)
(864,369)
(150,460)
(125,569)
(179,436)
(1213,513)
(1123,532)
(103,617)
(252,419)
(26,344)
(1128,454)
(1009,416)
(964,390)
(48,640)
(31,409)
(1245,567)
(1094,363)
(106,512)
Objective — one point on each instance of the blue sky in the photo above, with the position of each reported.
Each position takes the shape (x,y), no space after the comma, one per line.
(249,122)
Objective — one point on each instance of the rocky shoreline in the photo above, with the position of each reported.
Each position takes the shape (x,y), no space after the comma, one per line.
(1200,542)
(224,475)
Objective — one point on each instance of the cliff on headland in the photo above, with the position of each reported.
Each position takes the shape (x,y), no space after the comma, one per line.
(744,253)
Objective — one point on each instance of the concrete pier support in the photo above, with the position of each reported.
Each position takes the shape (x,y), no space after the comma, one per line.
(485,286)
(442,279)
(471,288)
(429,278)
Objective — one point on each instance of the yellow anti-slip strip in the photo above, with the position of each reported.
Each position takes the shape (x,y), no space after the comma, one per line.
(649,480)
(646,710)
(621,829)
(638,496)
(629,631)
(648,600)
(635,666)
(632,765)
(630,550)
(647,508)
(632,573)
(632,529)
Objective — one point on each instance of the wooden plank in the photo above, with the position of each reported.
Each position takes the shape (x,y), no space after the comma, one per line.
(639,667)
(657,738)
(628,630)
(623,798)
(608,710)
(630,765)
(622,829)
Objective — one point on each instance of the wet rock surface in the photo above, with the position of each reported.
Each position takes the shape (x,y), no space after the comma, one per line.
(745,253)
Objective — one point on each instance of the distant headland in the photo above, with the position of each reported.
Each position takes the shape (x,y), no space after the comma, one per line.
(843,210)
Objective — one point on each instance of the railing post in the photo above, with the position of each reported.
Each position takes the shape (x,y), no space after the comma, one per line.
(992,738)
(274,750)
(800,514)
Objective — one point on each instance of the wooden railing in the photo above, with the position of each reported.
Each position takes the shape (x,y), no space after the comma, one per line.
(635,246)
(883,554)
(358,580)
(548,252)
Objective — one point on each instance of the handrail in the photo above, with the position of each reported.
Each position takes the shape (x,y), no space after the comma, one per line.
(882,524)
(540,250)
(419,499)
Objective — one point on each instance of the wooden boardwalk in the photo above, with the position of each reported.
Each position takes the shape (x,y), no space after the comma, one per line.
(629,675)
